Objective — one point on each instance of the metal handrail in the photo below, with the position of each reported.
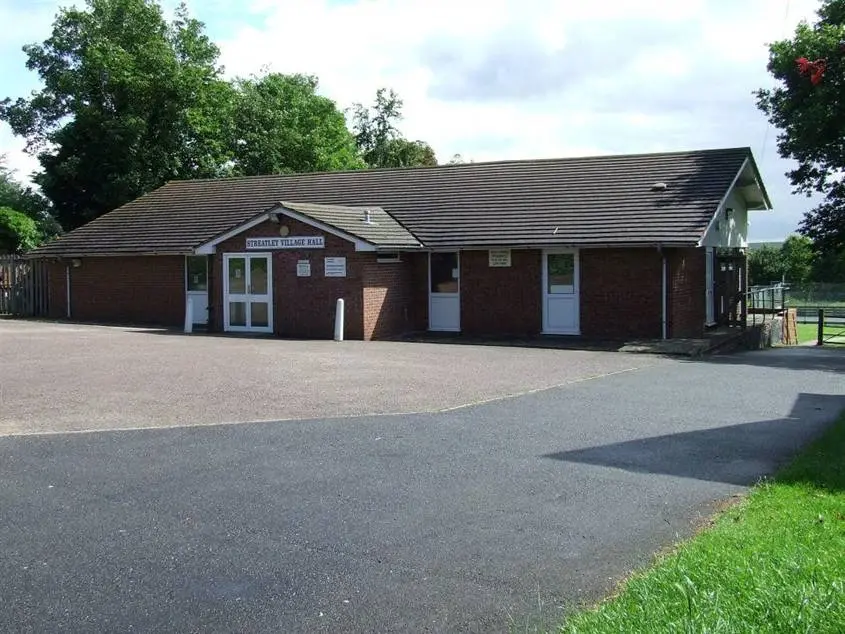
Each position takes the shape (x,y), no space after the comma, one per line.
(767,302)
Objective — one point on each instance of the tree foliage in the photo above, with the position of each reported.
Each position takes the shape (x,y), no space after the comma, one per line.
(829,267)
(808,106)
(18,232)
(796,261)
(797,255)
(378,138)
(280,124)
(15,196)
(765,265)
(128,102)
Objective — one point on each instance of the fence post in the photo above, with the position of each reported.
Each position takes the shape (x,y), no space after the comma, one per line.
(820,335)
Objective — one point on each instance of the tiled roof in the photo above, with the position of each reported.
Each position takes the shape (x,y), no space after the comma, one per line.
(371,224)
(600,200)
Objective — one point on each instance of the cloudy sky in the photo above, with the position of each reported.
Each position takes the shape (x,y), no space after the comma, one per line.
(507,79)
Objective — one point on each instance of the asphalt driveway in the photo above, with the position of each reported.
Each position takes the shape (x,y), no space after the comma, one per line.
(58,377)
(486,518)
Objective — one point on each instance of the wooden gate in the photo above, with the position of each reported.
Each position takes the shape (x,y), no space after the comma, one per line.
(23,287)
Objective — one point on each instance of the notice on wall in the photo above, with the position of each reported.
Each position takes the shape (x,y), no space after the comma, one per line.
(499,258)
(303,268)
(290,242)
(335,267)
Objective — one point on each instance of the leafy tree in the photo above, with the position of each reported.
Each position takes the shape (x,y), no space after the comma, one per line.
(16,196)
(829,267)
(796,261)
(128,102)
(280,124)
(405,153)
(808,107)
(379,140)
(765,265)
(18,232)
(797,256)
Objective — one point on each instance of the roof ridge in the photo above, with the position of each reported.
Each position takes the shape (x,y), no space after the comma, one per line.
(449,166)
(330,206)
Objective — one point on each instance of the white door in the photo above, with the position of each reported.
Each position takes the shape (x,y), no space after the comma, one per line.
(709,256)
(247,293)
(196,285)
(561,314)
(444,305)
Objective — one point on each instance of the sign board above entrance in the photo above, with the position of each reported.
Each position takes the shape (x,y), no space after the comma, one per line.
(500,257)
(290,242)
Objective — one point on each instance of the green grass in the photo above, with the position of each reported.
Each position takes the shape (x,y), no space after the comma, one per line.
(809,333)
(792,302)
(774,563)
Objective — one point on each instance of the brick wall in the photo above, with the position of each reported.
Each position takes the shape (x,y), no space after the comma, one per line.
(621,293)
(418,283)
(302,306)
(686,307)
(501,300)
(387,298)
(127,290)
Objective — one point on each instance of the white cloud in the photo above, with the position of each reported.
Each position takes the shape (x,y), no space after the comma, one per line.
(539,78)
(12,151)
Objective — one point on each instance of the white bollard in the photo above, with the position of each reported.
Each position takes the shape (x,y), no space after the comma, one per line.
(189,316)
(338,321)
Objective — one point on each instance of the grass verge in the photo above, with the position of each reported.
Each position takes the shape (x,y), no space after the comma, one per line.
(773,563)
(808,333)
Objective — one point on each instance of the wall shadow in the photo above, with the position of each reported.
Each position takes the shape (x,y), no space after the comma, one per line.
(815,358)
(735,454)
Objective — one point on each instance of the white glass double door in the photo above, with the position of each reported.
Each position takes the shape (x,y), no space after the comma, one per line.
(247,292)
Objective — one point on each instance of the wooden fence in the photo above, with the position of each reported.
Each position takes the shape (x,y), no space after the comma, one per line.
(23,287)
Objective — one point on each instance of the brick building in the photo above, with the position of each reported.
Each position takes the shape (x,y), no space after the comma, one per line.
(647,245)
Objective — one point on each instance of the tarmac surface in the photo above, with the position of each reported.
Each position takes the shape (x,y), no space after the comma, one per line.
(59,377)
(499,516)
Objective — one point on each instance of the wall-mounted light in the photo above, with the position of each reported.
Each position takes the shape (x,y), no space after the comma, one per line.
(729,212)
(76,263)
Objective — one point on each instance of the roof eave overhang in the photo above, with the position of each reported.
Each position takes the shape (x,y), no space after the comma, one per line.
(66,255)
(758,181)
(643,244)
(402,247)
(747,164)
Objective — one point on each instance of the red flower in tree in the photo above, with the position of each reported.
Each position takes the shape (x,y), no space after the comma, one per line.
(815,69)
(818,72)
